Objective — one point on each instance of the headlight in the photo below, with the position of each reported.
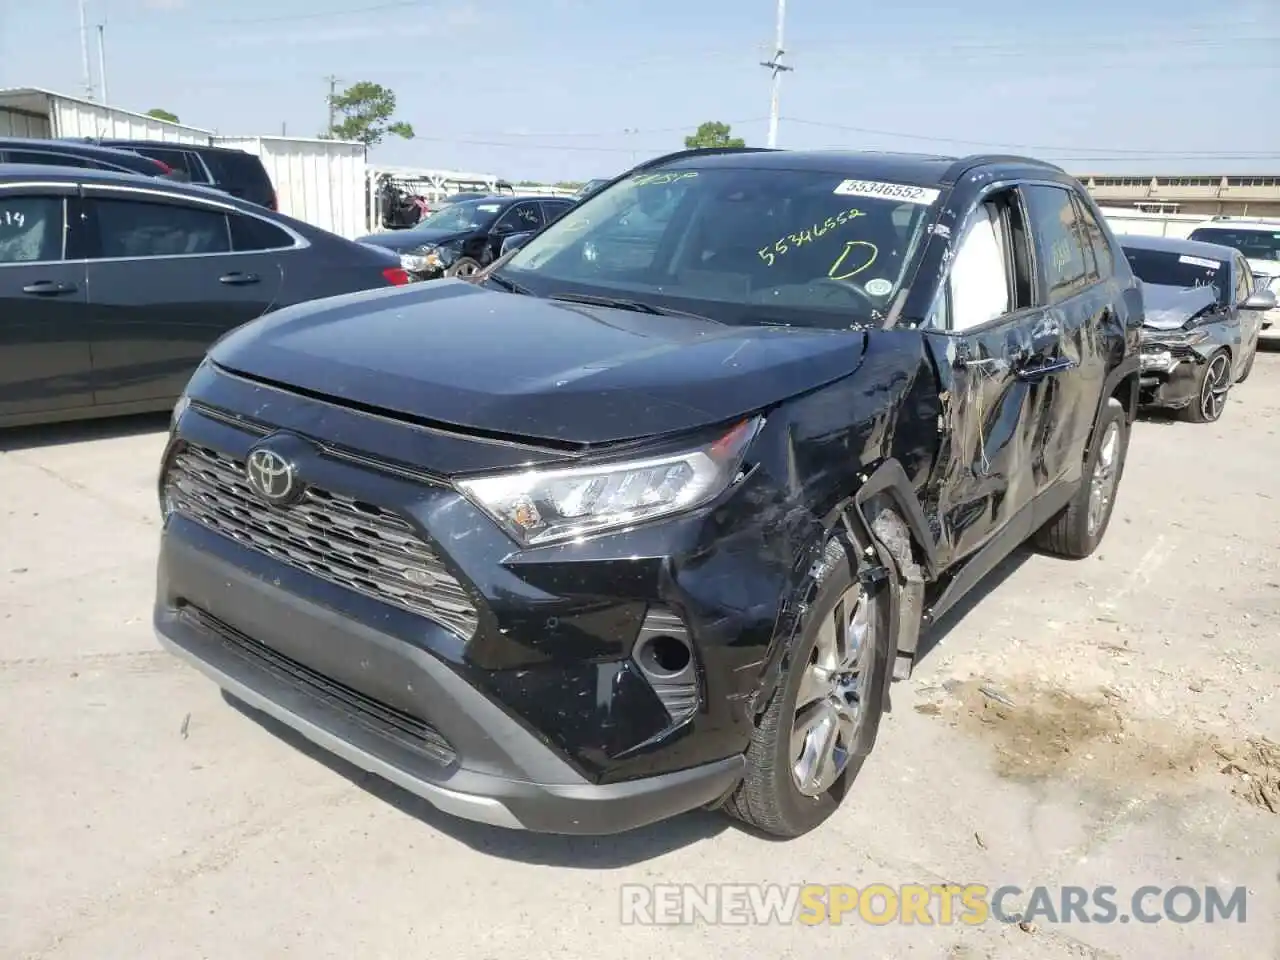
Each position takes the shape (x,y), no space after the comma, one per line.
(545,506)
(421,261)
(1179,338)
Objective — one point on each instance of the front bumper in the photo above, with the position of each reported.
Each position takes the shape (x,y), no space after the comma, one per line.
(1169,377)
(533,711)
(480,764)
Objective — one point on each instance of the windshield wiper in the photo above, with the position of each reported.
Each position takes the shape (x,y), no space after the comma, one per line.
(637,306)
(509,285)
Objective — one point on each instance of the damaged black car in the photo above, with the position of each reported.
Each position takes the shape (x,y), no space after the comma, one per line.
(1203,320)
(646,516)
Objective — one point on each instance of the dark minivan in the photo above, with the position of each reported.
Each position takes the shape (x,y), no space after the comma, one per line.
(646,516)
(112,286)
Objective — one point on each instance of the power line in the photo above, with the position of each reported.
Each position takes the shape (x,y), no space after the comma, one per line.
(1120,153)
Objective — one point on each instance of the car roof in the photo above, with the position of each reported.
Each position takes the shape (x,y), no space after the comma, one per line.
(1232,223)
(915,168)
(17,172)
(1192,248)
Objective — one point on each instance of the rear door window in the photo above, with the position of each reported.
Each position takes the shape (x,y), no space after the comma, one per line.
(1096,240)
(1059,247)
(31,228)
(135,228)
(178,160)
(252,233)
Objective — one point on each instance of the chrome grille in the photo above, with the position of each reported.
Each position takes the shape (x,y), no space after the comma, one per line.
(352,544)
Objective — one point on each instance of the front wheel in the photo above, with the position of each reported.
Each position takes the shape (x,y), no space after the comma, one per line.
(822,719)
(463,268)
(1079,528)
(1211,390)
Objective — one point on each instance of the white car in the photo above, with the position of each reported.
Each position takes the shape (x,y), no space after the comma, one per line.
(1259,241)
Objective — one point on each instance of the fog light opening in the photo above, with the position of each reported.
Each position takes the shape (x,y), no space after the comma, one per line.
(663,656)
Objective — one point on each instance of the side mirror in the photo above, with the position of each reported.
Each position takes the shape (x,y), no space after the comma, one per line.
(1260,300)
(513,243)
(501,229)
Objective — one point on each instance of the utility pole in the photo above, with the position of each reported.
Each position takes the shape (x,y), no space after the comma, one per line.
(776,65)
(102,62)
(84,53)
(333,92)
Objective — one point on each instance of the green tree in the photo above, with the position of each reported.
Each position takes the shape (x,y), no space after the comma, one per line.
(713,133)
(363,112)
(161,114)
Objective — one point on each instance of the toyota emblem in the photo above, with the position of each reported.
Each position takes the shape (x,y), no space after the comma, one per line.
(271,476)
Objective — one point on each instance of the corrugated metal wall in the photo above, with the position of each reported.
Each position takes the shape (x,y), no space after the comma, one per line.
(14,123)
(319,181)
(78,118)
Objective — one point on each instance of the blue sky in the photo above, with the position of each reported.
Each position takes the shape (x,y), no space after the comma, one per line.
(552,89)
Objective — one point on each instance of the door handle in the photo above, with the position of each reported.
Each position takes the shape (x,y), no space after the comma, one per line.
(1037,369)
(238,279)
(49,288)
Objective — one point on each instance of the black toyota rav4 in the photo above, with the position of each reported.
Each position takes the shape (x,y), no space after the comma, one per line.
(645,516)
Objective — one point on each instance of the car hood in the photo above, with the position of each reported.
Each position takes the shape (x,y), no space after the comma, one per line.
(525,368)
(1171,307)
(406,240)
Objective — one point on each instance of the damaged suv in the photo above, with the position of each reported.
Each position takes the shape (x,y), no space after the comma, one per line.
(646,516)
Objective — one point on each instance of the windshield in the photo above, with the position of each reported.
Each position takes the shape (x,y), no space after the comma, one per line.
(1178,270)
(464,215)
(1254,244)
(743,246)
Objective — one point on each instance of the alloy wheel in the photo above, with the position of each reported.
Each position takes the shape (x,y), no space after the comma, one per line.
(1217,381)
(467,270)
(1102,484)
(831,705)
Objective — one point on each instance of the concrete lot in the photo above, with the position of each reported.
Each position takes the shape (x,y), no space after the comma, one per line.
(144,816)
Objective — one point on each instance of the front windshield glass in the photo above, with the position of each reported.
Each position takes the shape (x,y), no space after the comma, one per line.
(1167,269)
(464,215)
(1254,244)
(739,245)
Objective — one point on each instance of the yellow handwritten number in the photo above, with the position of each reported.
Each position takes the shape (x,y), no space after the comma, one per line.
(842,262)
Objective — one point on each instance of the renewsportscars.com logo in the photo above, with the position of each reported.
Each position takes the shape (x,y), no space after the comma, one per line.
(925,904)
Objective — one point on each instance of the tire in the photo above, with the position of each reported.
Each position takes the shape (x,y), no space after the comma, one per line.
(770,798)
(462,268)
(1212,387)
(1076,531)
(1248,367)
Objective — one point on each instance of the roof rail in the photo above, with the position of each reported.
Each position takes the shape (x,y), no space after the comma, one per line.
(698,151)
(964,164)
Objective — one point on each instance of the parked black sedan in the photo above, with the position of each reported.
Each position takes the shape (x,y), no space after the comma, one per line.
(90,156)
(1202,322)
(112,286)
(460,239)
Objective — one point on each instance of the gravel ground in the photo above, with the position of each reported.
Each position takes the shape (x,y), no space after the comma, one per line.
(1108,721)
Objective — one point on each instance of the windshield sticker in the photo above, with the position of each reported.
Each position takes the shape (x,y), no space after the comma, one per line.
(888,191)
(488,207)
(1199,262)
(13,218)
(658,179)
(810,233)
(846,267)
(878,287)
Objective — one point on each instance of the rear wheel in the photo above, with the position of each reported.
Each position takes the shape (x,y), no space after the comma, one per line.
(822,719)
(1080,527)
(1211,390)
